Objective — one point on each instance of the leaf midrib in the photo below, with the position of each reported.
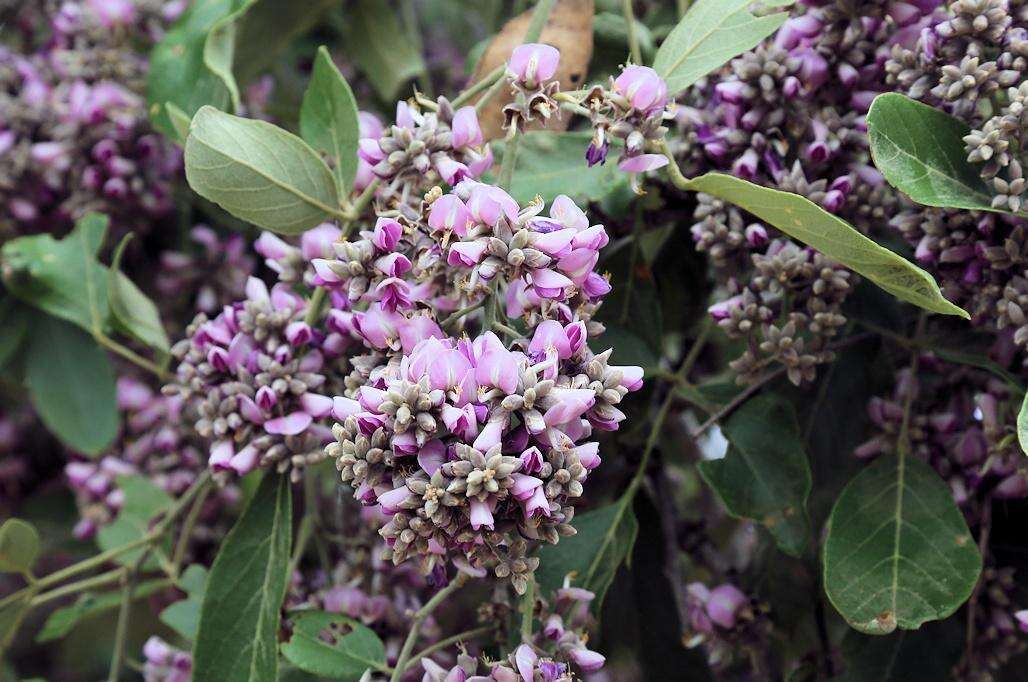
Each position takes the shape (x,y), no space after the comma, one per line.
(295,191)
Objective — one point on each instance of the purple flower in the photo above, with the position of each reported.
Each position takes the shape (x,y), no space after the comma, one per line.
(642,87)
(533,63)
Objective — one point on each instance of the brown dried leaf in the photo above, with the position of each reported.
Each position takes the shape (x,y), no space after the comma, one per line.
(569,29)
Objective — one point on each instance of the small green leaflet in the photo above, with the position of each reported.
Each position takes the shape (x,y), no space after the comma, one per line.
(71,384)
(237,637)
(184,616)
(19,546)
(897,550)
(144,501)
(258,172)
(804,220)
(132,313)
(711,33)
(765,475)
(352,649)
(591,556)
(920,151)
(192,65)
(328,119)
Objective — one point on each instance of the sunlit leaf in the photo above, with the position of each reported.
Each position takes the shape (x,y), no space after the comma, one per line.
(804,220)
(348,649)
(258,172)
(711,33)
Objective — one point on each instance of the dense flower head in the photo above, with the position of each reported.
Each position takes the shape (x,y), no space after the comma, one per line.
(473,443)
(254,376)
(157,442)
(423,147)
(74,133)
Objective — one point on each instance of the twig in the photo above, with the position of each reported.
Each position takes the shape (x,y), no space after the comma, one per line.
(187,528)
(633,39)
(528,610)
(985,528)
(462,312)
(449,641)
(316,305)
(420,616)
(510,159)
(486,82)
(539,16)
(133,357)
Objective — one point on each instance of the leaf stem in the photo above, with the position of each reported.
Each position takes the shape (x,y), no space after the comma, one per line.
(510,159)
(315,306)
(538,22)
(449,641)
(420,616)
(129,575)
(130,355)
(187,529)
(675,173)
(527,610)
(466,310)
(484,83)
(491,92)
(633,38)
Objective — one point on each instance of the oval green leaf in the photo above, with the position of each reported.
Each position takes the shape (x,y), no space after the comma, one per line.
(352,649)
(711,33)
(132,312)
(237,637)
(71,384)
(328,119)
(258,172)
(897,551)
(188,70)
(920,151)
(765,475)
(19,546)
(804,220)
(592,556)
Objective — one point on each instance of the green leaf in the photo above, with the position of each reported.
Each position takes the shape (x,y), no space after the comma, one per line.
(804,220)
(189,73)
(63,620)
(328,119)
(63,278)
(897,550)
(143,502)
(592,556)
(376,41)
(19,546)
(237,636)
(554,163)
(72,385)
(920,151)
(184,616)
(179,120)
(352,649)
(268,28)
(922,656)
(765,475)
(14,327)
(711,33)
(133,313)
(258,172)
(1022,425)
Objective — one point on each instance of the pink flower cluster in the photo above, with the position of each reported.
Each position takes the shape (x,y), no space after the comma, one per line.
(473,444)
